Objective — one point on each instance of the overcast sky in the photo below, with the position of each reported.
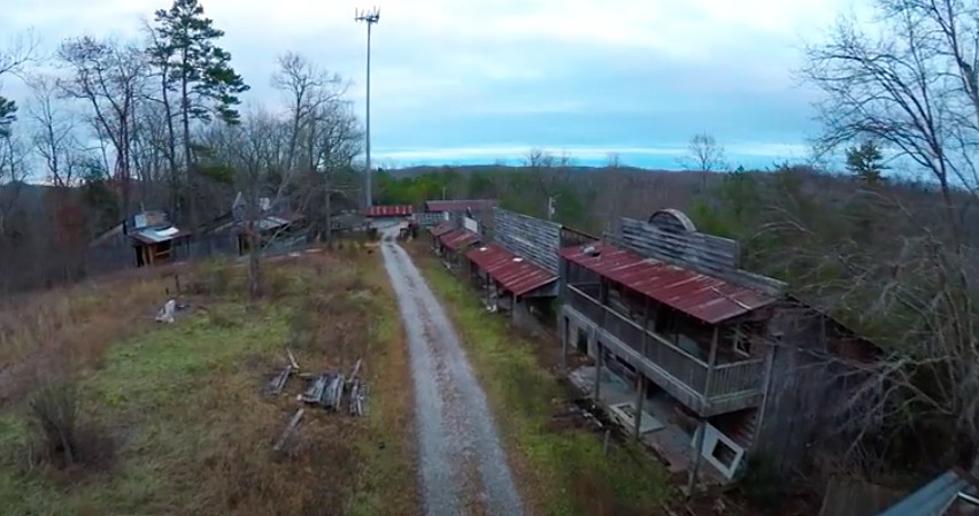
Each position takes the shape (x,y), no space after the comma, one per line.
(486,80)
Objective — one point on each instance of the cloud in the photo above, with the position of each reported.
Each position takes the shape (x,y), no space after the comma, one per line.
(488,74)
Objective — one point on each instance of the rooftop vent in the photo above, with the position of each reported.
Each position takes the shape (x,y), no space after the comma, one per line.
(518,259)
(591,250)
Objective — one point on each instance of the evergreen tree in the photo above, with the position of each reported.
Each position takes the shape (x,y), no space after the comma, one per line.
(866,161)
(8,110)
(195,70)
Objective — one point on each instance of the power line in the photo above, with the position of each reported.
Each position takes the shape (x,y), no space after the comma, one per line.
(370,17)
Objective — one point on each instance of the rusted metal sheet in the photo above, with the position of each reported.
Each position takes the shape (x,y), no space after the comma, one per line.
(443,228)
(459,239)
(515,274)
(395,210)
(460,205)
(710,299)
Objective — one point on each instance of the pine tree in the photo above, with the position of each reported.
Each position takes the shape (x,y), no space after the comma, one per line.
(195,70)
(866,161)
(8,110)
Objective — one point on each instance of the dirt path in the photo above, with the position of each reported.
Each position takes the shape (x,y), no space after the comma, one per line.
(463,467)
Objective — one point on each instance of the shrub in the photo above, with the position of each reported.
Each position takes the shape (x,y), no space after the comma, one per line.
(61,437)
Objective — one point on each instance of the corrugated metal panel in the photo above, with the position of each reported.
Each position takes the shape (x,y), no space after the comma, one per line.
(515,274)
(460,205)
(707,298)
(443,228)
(459,239)
(157,235)
(932,499)
(396,210)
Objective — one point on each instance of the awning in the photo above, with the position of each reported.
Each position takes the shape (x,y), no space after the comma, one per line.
(459,239)
(515,274)
(710,299)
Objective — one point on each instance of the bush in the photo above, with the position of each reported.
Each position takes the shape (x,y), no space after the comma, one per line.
(61,438)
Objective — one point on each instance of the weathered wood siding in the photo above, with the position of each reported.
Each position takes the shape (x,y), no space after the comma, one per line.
(426,219)
(534,239)
(708,254)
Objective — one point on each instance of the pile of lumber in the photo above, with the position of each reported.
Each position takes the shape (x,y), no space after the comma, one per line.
(327,389)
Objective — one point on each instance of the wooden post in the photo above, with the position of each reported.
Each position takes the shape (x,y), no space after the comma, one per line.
(640,398)
(699,450)
(565,337)
(598,371)
(711,360)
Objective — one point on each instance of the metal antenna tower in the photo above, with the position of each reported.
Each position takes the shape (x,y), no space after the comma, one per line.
(371,17)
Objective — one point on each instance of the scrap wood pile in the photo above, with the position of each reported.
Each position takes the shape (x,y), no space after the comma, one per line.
(330,390)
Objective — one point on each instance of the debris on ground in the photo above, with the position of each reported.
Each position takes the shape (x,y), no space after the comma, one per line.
(278,382)
(165,315)
(293,423)
(325,389)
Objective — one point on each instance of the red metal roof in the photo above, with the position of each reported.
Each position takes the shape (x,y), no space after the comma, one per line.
(460,205)
(396,210)
(707,298)
(516,274)
(443,228)
(459,239)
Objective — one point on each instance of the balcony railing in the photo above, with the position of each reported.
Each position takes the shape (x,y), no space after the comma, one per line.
(726,380)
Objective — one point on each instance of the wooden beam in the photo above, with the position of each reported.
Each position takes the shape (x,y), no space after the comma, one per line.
(699,450)
(711,362)
(598,371)
(640,398)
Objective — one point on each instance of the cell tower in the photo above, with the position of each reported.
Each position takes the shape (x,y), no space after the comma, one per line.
(371,17)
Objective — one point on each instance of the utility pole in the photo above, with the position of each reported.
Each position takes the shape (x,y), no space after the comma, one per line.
(370,17)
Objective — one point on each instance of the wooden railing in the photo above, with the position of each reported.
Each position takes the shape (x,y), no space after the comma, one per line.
(743,377)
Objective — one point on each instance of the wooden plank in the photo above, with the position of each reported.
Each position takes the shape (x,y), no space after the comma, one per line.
(531,238)
(293,423)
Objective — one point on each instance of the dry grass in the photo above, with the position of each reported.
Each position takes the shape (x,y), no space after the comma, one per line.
(195,434)
(57,331)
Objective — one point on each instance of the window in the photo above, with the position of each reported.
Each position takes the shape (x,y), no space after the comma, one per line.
(742,344)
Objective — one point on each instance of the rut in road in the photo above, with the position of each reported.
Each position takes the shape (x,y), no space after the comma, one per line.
(462,465)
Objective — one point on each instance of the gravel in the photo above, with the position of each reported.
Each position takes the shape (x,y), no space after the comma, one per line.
(463,467)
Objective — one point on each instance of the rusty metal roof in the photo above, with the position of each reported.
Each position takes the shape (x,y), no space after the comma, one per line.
(516,274)
(395,210)
(459,239)
(443,228)
(710,299)
(460,205)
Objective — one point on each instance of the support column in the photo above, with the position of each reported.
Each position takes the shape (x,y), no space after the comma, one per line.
(711,361)
(598,371)
(640,398)
(698,458)
(565,337)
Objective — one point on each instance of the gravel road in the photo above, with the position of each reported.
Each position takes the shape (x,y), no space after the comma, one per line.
(463,467)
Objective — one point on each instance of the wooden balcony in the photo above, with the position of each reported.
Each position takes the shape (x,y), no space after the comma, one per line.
(707,390)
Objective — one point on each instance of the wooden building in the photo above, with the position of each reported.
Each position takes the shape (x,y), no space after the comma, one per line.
(706,354)
(146,238)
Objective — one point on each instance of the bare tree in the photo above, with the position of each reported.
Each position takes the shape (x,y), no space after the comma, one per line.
(109,78)
(704,155)
(54,136)
(910,81)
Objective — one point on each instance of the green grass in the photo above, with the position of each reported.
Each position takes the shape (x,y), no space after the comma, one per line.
(193,434)
(148,396)
(568,470)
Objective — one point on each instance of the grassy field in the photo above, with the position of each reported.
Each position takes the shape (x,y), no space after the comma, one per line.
(561,471)
(172,417)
